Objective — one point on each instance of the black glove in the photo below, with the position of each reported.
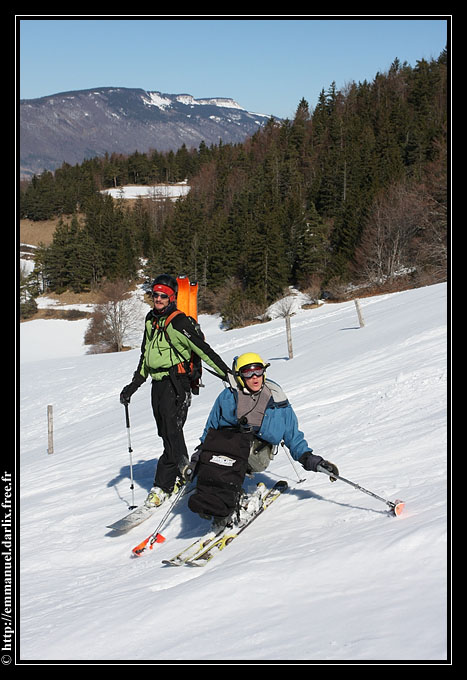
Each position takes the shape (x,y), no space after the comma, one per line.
(330,467)
(310,461)
(129,390)
(188,472)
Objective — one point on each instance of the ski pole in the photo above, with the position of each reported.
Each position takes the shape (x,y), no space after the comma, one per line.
(396,506)
(156,536)
(130,451)
(291,460)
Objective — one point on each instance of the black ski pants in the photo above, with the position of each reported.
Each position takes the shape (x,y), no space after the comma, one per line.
(170,398)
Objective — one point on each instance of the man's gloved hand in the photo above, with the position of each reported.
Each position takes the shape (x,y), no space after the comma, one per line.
(310,461)
(127,393)
(188,472)
(129,390)
(331,468)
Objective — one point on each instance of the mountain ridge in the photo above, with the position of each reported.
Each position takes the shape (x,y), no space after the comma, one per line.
(74,125)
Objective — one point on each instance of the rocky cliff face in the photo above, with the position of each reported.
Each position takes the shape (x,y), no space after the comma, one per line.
(72,126)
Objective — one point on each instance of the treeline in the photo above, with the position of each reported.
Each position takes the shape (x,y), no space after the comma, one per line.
(354,190)
(69,187)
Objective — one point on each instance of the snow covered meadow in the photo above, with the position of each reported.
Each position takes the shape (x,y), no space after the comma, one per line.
(325,576)
(158,191)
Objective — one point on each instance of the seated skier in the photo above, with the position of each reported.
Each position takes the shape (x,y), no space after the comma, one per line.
(247,422)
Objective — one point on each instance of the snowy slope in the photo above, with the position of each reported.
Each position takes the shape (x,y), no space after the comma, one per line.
(172,191)
(324,575)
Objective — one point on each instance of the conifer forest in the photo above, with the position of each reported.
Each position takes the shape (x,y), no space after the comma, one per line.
(351,191)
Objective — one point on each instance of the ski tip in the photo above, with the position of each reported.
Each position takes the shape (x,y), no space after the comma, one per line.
(398,507)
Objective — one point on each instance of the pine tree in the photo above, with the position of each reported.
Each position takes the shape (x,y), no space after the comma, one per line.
(58,258)
(141,226)
(312,251)
(87,266)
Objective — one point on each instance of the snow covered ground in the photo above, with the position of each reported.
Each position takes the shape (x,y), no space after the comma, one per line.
(326,575)
(172,191)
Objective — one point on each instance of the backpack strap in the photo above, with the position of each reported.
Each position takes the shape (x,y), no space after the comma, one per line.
(171,316)
(184,365)
(168,320)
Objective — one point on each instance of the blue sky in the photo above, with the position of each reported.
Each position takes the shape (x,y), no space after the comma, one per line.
(267,64)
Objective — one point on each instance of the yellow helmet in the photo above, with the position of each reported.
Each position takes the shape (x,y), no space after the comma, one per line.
(245,360)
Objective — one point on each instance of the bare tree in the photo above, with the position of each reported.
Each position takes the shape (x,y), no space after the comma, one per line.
(399,218)
(114,318)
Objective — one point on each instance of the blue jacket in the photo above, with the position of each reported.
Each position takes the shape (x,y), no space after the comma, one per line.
(279,423)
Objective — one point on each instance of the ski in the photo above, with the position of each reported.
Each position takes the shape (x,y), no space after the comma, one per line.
(133,519)
(201,551)
(226,538)
(183,295)
(187,296)
(191,550)
(140,514)
(193,300)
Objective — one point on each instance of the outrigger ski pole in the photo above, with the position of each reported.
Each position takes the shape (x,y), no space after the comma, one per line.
(130,451)
(395,506)
(291,460)
(156,536)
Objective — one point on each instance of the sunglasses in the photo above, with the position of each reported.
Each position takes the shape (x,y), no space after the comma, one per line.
(162,296)
(250,371)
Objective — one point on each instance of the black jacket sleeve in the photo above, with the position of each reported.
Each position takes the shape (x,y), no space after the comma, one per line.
(182,325)
(149,315)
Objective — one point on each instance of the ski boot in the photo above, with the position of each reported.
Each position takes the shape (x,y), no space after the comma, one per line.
(250,504)
(155,497)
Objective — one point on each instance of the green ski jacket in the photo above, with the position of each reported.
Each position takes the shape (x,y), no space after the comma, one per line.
(165,346)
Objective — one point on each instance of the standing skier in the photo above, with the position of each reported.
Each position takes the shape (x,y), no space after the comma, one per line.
(166,350)
(245,426)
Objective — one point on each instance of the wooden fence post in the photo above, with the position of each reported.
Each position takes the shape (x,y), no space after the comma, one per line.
(289,336)
(359,312)
(50,428)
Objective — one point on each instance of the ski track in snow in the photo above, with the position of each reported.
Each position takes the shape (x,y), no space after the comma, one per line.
(326,574)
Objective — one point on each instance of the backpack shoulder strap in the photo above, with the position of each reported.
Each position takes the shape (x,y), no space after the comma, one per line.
(172,316)
(168,320)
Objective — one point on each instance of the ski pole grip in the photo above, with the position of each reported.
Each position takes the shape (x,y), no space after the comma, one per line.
(320,468)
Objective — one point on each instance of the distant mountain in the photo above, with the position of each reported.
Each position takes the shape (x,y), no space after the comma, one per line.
(73,126)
